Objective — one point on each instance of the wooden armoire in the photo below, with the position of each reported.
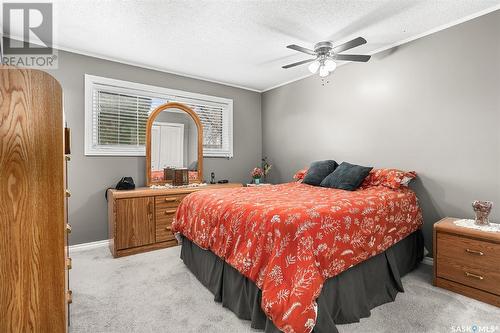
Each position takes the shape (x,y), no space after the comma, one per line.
(34,263)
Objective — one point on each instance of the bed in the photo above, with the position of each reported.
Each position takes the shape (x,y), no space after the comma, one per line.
(295,257)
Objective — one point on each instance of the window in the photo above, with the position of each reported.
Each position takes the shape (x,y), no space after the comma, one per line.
(116,113)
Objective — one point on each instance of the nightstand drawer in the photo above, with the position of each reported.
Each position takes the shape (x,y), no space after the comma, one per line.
(475,276)
(469,251)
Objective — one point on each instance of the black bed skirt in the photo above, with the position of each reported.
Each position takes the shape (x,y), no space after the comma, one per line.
(345,298)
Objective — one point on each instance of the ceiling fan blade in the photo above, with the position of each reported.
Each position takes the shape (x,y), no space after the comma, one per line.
(298,63)
(349,45)
(352,57)
(301,49)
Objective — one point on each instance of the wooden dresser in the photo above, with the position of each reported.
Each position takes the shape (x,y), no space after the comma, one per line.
(34,291)
(140,220)
(467,261)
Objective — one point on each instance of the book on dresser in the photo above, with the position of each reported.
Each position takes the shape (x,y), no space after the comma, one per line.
(467,261)
(140,220)
(34,262)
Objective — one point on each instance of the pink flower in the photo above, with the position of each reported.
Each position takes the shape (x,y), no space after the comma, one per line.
(257,173)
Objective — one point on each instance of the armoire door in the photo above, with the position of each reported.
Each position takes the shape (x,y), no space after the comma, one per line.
(135,224)
(32,203)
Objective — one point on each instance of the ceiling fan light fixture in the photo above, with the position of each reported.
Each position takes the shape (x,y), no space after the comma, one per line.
(314,66)
(325,54)
(330,65)
(323,71)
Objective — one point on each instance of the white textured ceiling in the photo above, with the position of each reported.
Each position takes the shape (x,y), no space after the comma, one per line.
(242,43)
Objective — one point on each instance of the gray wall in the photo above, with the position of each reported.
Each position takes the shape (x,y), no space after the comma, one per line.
(432,105)
(90,176)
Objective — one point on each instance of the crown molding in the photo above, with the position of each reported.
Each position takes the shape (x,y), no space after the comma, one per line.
(140,65)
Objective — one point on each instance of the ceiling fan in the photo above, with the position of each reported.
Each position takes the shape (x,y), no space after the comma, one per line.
(325,55)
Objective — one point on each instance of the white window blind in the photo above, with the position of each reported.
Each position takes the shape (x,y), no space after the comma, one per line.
(217,127)
(117,111)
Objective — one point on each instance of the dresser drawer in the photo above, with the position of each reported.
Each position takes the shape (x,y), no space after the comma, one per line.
(166,201)
(165,212)
(164,229)
(475,276)
(469,252)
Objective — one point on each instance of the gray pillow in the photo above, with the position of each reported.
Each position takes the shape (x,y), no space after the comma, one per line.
(318,171)
(346,176)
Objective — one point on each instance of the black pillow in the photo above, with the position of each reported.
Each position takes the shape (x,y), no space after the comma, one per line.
(346,176)
(318,171)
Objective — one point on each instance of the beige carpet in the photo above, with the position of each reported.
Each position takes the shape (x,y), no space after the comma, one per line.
(155,292)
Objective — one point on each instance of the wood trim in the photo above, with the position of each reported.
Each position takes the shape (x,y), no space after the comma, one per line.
(149,124)
(434,253)
(147,192)
(111,223)
(145,248)
(468,291)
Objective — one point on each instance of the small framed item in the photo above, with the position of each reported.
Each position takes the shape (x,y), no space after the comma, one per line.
(180,177)
(168,174)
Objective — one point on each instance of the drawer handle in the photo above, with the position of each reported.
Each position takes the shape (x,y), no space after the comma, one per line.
(475,276)
(170,211)
(170,199)
(474,252)
(69,296)
(168,228)
(69,263)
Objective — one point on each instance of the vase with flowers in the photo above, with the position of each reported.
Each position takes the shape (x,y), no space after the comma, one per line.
(257,174)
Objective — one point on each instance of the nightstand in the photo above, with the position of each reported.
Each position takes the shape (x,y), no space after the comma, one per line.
(467,261)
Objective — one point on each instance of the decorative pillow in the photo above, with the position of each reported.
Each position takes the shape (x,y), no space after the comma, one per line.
(392,178)
(346,177)
(318,171)
(299,175)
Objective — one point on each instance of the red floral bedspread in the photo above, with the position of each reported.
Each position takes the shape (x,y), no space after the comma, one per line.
(290,238)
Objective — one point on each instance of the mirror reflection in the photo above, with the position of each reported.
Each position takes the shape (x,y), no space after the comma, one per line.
(174,145)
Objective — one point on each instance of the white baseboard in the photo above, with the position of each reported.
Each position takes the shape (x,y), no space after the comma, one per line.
(428,261)
(88,246)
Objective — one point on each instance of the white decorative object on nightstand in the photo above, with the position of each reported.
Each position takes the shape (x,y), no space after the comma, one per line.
(260,184)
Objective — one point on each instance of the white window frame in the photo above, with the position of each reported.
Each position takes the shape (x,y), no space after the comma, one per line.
(154,92)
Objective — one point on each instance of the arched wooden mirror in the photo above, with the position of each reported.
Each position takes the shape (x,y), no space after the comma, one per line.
(174,141)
